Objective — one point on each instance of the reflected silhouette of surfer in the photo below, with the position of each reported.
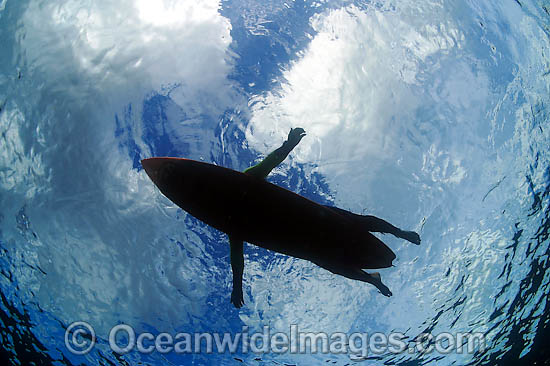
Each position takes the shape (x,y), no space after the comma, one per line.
(248,208)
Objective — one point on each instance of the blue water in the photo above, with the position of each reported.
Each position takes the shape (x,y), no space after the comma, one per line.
(431,114)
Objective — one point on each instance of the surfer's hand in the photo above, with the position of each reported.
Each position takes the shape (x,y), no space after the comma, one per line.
(295,135)
(237,297)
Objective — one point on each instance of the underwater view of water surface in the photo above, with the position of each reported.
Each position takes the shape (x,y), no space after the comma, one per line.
(431,114)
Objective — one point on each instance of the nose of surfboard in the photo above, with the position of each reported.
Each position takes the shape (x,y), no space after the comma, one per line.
(167,173)
(174,177)
(152,167)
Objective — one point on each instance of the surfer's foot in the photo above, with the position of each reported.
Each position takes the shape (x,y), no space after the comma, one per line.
(237,297)
(411,236)
(377,281)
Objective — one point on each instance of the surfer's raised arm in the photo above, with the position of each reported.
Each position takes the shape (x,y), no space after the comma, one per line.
(262,169)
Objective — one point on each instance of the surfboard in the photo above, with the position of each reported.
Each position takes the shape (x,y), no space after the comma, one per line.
(264,214)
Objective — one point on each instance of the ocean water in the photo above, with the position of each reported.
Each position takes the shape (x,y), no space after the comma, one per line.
(433,115)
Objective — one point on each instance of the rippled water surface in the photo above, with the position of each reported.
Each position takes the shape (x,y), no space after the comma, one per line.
(431,114)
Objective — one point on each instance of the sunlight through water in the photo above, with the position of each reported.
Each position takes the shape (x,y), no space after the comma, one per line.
(430,114)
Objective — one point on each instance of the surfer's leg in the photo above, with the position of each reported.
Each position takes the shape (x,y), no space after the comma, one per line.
(237,266)
(359,275)
(378,225)
(375,224)
(372,278)
(375,279)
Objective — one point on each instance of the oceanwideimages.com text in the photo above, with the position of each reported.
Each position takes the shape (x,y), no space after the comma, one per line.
(80,339)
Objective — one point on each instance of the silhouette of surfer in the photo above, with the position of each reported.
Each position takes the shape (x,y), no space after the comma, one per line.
(376,253)
(248,208)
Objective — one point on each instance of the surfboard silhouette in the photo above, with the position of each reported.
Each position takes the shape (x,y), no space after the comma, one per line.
(266,215)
